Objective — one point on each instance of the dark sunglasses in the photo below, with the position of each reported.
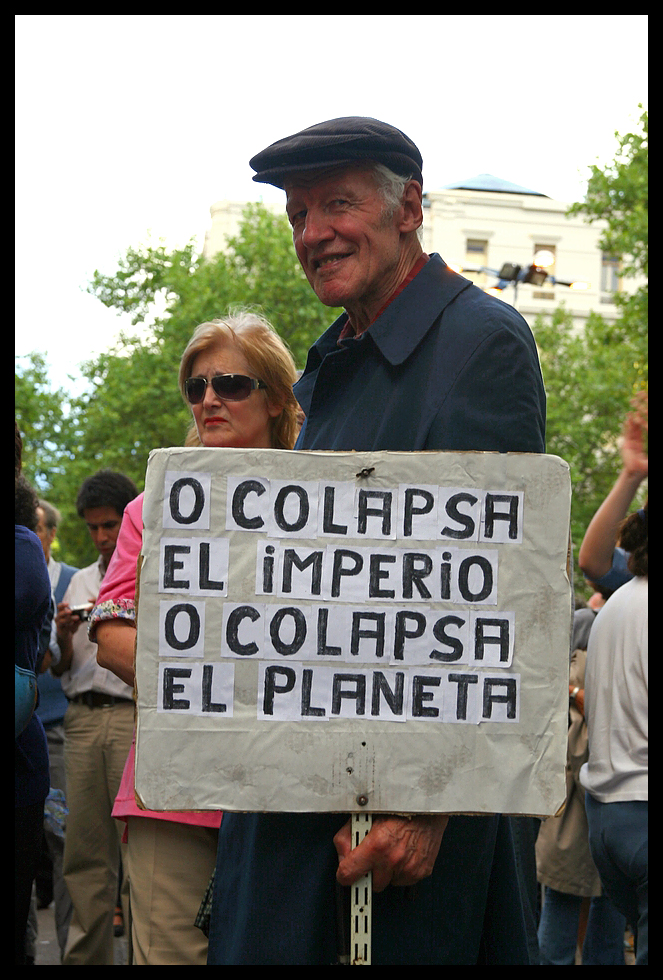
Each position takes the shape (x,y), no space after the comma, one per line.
(229,387)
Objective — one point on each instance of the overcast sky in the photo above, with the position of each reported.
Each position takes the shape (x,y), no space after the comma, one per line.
(129,124)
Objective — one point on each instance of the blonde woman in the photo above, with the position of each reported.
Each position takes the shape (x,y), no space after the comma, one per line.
(236,374)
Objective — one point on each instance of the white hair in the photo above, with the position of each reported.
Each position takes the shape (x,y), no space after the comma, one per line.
(391,188)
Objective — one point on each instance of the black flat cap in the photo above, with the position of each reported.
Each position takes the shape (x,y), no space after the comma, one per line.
(338,141)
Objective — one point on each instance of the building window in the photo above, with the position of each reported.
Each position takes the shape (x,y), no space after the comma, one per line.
(476,255)
(610,281)
(545,257)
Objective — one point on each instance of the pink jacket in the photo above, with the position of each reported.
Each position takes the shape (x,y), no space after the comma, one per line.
(116,600)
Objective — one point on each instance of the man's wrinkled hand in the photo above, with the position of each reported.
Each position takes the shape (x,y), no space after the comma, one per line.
(398,850)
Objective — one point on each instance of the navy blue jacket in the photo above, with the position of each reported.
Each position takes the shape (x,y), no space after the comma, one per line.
(445,367)
(32,598)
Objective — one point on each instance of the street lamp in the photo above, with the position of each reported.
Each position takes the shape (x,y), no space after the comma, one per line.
(512,273)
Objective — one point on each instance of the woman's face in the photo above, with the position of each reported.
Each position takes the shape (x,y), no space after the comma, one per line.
(226,423)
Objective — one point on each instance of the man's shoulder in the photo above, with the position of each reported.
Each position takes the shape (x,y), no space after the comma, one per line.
(486,309)
(475,316)
(439,292)
(441,304)
(27,540)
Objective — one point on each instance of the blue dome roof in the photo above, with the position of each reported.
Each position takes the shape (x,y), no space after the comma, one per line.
(486,182)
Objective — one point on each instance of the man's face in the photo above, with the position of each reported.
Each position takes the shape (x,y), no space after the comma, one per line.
(45,534)
(104,526)
(347,248)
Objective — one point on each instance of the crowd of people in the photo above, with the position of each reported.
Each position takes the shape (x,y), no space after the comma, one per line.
(421,359)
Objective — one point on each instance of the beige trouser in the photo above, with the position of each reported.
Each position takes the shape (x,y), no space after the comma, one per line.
(170,865)
(97,743)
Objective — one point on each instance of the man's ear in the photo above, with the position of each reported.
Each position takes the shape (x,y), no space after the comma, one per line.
(413,214)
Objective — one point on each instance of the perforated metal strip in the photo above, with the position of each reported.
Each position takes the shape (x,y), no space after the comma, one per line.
(361,900)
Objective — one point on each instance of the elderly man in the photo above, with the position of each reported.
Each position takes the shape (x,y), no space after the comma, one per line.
(421,359)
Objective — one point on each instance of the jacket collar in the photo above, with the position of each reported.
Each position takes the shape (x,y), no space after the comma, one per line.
(405,322)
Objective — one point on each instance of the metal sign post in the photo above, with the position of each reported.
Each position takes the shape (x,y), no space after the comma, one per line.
(361,900)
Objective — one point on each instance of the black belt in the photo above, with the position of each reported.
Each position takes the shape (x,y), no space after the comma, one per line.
(94,699)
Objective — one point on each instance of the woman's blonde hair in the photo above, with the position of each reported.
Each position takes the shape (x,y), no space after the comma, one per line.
(268,359)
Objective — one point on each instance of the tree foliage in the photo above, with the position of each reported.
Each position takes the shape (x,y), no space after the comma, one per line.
(50,436)
(618,194)
(592,376)
(590,380)
(41,416)
(133,404)
(259,269)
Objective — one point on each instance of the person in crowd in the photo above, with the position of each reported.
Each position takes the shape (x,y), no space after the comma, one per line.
(98,727)
(599,558)
(563,846)
(52,707)
(32,604)
(421,359)
(575,912)
(585,614)
(236,375)
(615,776)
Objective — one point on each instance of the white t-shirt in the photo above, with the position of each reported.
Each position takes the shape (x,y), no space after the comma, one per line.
(616,703)
(85,674)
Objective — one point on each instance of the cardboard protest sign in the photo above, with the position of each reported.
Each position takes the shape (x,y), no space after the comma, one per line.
(332,631)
